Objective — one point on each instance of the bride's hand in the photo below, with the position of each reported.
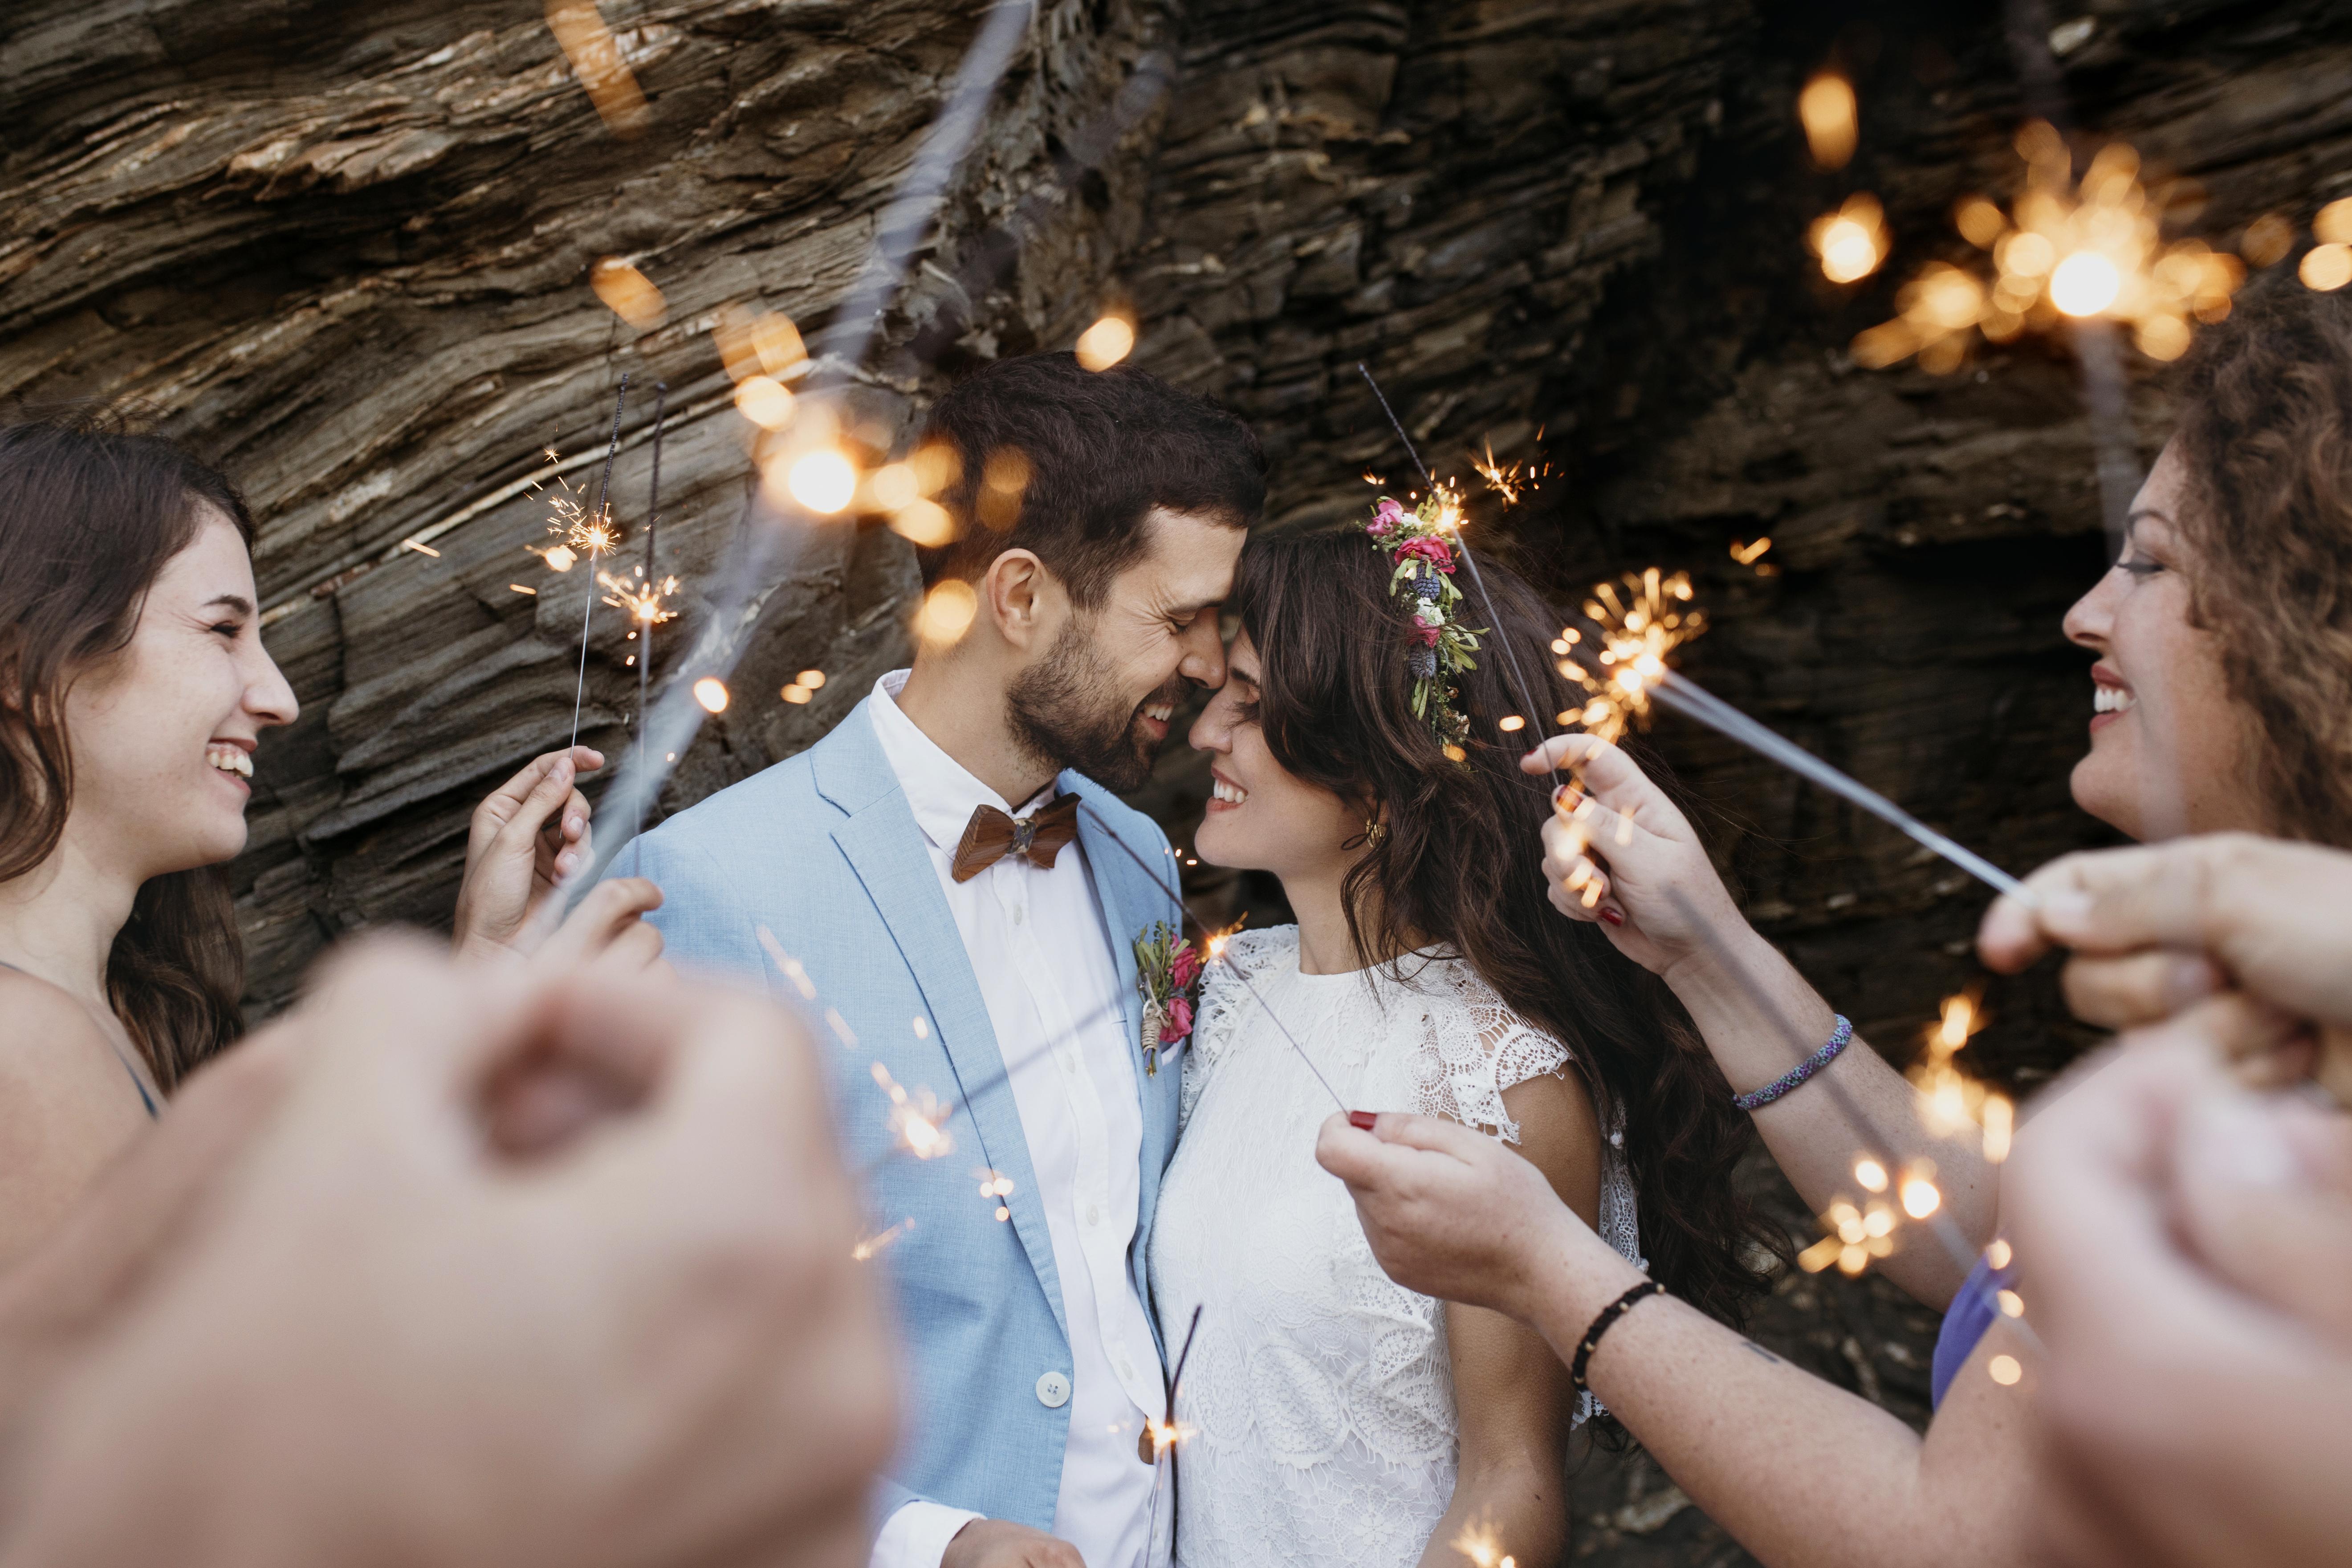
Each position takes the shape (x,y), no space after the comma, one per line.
(1619,852)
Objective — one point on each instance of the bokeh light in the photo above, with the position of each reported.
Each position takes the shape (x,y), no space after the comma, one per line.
(1830,118)
(1107,342)
(823,480)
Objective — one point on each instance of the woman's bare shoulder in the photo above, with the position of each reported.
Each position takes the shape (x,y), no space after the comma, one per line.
(1560,1133)
(67,1106)
(55,1058)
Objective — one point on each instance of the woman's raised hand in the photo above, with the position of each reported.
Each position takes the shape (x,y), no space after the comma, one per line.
(526,836)
(1617,850)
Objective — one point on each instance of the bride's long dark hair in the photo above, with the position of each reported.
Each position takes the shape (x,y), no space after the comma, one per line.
(1461,866)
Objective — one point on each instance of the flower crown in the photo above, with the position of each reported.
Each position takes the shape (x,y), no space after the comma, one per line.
(1416,545)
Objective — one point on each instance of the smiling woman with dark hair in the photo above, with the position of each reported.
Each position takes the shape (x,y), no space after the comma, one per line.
(136,693)
(1341,1417)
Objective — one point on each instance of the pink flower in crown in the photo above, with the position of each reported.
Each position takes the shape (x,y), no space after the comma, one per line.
(1180,1021)
(1387,518)
(1426,633)
(1436,552)
(1186,968)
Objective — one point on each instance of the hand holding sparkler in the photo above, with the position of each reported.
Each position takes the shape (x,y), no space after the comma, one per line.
(1618,850)
(2156,928)
(526,837)
(1455,1214)
(1614,845)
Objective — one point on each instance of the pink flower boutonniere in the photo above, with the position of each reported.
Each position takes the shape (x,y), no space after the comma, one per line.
(1167,970)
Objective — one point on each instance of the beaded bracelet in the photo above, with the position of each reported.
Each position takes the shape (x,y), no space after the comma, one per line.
(1601,1324)
(1756,1099)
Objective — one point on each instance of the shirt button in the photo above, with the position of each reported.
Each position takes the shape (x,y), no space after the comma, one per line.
(1094,1215)
(1053,1391)
(1020,912)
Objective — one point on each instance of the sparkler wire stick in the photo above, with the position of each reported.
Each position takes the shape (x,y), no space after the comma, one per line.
(1239,973)
(1168,1444)
(1688,698)
(646,628)
(1510,658)
(602,507)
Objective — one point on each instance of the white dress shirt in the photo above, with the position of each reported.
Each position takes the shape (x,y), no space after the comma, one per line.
(1041,952)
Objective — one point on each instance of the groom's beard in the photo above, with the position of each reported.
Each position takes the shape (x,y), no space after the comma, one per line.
(1064,711)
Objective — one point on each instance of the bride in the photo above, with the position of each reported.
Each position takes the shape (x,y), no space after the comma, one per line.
(1329,1415)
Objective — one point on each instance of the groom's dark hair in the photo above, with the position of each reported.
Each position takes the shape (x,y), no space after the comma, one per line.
(1049,457)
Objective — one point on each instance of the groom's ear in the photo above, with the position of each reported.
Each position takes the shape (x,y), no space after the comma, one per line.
(1022,600)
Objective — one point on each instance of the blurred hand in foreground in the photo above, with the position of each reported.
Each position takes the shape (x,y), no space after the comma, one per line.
(2153,929)
(522,1267)
(2190,1250)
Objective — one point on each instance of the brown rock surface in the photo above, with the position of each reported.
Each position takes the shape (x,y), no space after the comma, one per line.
(346,249)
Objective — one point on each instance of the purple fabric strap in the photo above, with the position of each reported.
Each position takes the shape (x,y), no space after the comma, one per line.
(1756,1099)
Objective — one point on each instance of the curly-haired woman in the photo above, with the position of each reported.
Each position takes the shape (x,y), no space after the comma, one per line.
(1336,1417)
(2223,700)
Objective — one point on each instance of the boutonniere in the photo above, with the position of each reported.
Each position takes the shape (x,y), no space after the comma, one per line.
(1167,970)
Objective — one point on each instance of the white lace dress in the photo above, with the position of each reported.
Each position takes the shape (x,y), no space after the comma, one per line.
(1318,1392)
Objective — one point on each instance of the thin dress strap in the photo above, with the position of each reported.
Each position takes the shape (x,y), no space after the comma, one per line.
(137,1082)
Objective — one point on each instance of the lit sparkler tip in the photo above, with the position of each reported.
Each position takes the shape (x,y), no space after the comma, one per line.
(1481,1545)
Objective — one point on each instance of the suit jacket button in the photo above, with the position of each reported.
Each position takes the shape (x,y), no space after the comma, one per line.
(1053,1391)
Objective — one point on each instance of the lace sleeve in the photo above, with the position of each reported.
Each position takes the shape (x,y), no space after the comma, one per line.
(1472,1047)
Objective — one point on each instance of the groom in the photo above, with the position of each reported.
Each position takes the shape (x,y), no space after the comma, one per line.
(926,870)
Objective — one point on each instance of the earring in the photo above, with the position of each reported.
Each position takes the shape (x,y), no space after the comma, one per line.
(1374,831)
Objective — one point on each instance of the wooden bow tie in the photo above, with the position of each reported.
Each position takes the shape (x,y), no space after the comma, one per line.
(990,836)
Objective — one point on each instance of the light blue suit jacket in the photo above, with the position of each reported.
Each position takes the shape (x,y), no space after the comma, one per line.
(822,851)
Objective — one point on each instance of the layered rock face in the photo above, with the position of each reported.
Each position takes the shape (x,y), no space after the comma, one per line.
(346,252)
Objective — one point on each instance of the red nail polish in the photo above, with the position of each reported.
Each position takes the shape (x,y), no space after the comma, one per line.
(1612,916)
(1363,1119)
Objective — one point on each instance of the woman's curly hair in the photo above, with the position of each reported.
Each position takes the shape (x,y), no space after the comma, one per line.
(2265,433)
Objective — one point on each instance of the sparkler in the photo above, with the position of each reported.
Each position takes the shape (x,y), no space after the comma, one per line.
(1160,1437)
(650,611)
(1479,1543)
(1638,631)
(594,533)
(918,1120)
(1637,651)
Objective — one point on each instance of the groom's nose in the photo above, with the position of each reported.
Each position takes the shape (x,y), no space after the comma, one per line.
(1204,661)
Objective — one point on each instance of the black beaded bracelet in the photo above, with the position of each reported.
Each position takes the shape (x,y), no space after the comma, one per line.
(1601,1324)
